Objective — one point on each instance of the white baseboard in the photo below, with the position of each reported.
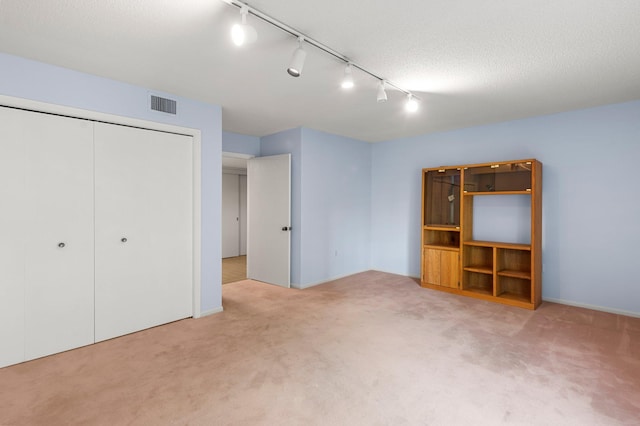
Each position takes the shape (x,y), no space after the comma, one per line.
(593,307)
(211,312)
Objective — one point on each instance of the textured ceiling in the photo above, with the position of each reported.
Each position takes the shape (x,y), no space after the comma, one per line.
(471,62)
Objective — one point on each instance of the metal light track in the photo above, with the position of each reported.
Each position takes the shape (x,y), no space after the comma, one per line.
(313,42)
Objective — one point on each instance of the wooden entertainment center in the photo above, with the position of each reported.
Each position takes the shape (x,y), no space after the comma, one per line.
(453,261)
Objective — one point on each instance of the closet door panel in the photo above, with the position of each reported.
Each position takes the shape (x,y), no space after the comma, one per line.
(12,229)
(143,221)
(59,257)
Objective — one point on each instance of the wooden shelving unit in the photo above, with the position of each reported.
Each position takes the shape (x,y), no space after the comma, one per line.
(453,261)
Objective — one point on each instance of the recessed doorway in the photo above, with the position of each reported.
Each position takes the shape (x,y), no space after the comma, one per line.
(234,217)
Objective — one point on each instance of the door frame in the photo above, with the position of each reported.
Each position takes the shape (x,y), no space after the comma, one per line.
(44,107)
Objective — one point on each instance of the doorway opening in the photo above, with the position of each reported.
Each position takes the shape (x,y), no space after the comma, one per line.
(256,218)
(234,217)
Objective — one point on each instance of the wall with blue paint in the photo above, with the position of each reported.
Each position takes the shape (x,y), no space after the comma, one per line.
(590,211)
(331,203)
(23,78)
(240,144)
(591,228)
(336,206)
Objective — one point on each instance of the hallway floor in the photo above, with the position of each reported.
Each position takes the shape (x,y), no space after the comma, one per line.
(234,269)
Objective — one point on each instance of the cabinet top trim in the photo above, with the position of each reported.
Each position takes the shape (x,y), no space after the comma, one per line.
(462,166)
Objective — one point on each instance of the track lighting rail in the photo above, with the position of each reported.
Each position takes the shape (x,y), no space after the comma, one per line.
(315,43)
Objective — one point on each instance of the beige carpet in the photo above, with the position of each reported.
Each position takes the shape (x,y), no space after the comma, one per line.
(234,269)
(372,349)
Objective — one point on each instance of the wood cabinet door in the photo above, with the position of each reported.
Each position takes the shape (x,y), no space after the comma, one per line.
(441,267)
(431,265)
(449,268)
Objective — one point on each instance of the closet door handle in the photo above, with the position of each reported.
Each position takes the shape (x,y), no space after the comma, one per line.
(61,245)
(124,239)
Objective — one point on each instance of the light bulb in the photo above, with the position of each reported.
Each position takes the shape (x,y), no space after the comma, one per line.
(242,33)
(412,104)
(347,81)
(237,34)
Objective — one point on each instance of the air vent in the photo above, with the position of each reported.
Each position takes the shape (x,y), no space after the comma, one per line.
(163,104)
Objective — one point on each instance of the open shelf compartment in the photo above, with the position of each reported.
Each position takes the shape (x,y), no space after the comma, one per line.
(449,238)
(514,263)
(513,288)
(478,283)
(478,260)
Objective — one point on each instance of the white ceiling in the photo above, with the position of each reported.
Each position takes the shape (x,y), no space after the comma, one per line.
(471,62)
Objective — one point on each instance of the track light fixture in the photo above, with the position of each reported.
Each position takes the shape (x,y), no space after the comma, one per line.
(347,81)
(382,94)
(297,60)
(412,103)
(242,33)
(245,34)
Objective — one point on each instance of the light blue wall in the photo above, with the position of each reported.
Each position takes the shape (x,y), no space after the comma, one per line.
(46,83)
(290,142)
(336,206)
(591,230)
(330,203)
(241,144)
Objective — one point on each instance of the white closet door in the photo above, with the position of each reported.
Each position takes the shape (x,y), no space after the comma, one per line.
(143,222)
(13,230)
(59,240)
(46,291)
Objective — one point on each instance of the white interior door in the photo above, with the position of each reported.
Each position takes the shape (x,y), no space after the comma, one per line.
(13,229)
(269,219)
(143,216)
(243,215)
(59,292)
(230,215)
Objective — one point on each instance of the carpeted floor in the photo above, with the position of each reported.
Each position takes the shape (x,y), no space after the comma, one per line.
(234,269)
(371,349)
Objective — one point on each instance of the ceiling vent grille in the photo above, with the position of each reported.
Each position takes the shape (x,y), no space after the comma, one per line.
(163,104)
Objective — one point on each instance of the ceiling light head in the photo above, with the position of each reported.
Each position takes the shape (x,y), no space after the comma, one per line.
(297,60)
(347,81)
(382,94)
(242,33)
(412,103)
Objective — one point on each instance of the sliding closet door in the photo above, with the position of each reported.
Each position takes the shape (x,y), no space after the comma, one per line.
(143,219)
(59,261)
(13,228)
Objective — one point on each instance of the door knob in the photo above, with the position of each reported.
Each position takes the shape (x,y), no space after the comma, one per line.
(124,240)
(61,245)
(286,228)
